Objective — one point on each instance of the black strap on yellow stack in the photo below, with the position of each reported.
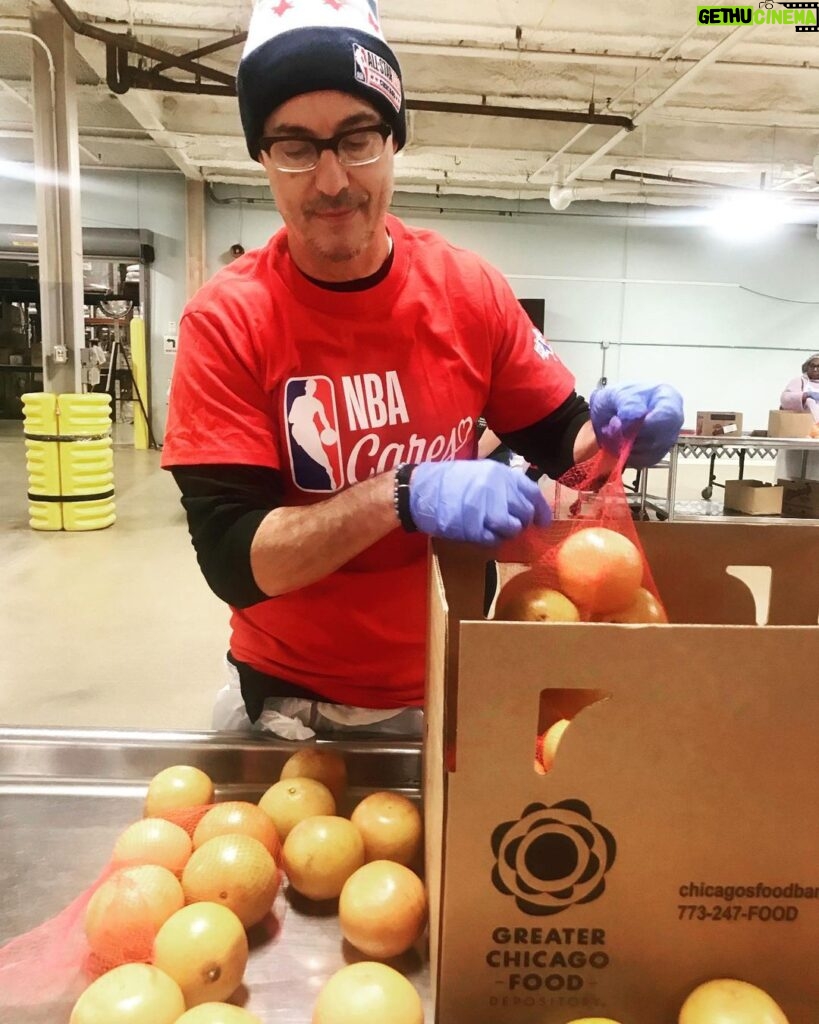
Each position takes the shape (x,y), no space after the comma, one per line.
(61,439)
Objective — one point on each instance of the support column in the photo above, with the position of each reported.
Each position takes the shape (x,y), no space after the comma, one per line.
(195,223)
(57,177)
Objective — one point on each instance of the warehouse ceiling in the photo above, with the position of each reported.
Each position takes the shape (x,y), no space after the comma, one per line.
(720,105)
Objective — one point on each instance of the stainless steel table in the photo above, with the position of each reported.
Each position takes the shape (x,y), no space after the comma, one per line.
(693,446)
(66,795)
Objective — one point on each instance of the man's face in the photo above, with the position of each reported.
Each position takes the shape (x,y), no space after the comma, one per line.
(334,214)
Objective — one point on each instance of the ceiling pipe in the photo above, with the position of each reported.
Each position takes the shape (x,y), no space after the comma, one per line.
(562,196)
(622,172)
(642,114)
(130,45)
(525,113)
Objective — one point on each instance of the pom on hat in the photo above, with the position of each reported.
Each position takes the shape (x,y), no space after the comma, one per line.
(299,46)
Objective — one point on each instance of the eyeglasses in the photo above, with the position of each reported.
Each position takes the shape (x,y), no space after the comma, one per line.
(296,154)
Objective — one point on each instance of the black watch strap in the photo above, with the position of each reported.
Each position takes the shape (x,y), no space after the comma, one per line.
(401,496)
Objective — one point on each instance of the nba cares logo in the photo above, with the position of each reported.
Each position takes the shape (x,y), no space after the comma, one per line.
(311,420)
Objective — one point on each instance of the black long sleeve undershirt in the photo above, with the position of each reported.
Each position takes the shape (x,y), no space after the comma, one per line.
(549,443)
(225,503)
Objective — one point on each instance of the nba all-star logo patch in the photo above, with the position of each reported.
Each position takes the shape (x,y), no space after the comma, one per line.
(377,73)
(311,419)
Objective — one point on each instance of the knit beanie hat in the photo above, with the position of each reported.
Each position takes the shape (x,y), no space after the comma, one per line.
(299,46)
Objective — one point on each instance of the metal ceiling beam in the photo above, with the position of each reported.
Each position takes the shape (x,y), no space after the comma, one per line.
(662,98)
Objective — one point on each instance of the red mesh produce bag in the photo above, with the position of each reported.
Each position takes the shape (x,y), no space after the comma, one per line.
(588,565)
(114,921)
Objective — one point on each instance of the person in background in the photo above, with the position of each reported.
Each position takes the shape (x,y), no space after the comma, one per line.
(398,342)
(802,393)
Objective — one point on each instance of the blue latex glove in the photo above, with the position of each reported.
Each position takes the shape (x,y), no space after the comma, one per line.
(478,501)
(812,394)
(651,414)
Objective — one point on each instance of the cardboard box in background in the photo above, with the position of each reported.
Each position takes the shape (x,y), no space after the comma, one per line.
(753,497)
(674,840)
(800,500)
(789,424)
(712,424)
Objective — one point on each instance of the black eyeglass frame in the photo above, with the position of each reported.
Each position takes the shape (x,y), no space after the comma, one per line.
(331,143)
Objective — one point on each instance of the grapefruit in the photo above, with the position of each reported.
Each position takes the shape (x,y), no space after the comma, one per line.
(130,994)
(218,1013)
(391,827)
(203,947)
(236,871)
(547,745)
(290,801)
(728,1001)
(525,598)
(320,854)
(153,841)
(382,909)
(364,993)
(327,766)
(236,817)
(128,909)
(177,788)
(644,608)
(599,569)
(594,1020)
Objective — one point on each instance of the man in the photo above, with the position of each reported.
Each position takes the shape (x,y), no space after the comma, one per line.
(402,341)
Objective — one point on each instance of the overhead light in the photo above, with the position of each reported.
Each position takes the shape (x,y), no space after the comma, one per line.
(749,216)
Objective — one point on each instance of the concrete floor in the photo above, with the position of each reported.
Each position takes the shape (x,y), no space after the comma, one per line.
(116,628)
(108,628)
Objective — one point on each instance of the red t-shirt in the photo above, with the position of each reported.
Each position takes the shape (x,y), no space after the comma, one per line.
(332,387)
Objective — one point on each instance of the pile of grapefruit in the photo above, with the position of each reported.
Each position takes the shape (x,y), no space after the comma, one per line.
(167,927)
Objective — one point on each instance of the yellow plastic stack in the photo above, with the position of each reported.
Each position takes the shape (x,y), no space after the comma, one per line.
(139,369)
(70,461)
(45,509)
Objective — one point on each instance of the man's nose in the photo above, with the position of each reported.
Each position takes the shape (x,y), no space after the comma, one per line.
(331,175)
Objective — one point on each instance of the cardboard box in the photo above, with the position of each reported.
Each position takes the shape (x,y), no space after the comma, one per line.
(789,424)
(800,499)
(675,838)
(753,497)
(712,424)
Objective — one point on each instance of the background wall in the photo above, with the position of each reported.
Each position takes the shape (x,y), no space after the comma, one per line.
(153,202)
(728,324)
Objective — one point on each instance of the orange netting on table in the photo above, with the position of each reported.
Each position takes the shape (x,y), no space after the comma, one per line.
(158,866)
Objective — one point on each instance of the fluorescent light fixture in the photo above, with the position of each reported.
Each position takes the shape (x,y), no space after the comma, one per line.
(748,216)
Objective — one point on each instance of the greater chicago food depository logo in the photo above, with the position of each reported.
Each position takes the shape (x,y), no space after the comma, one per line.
(552,857)
(803,16)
